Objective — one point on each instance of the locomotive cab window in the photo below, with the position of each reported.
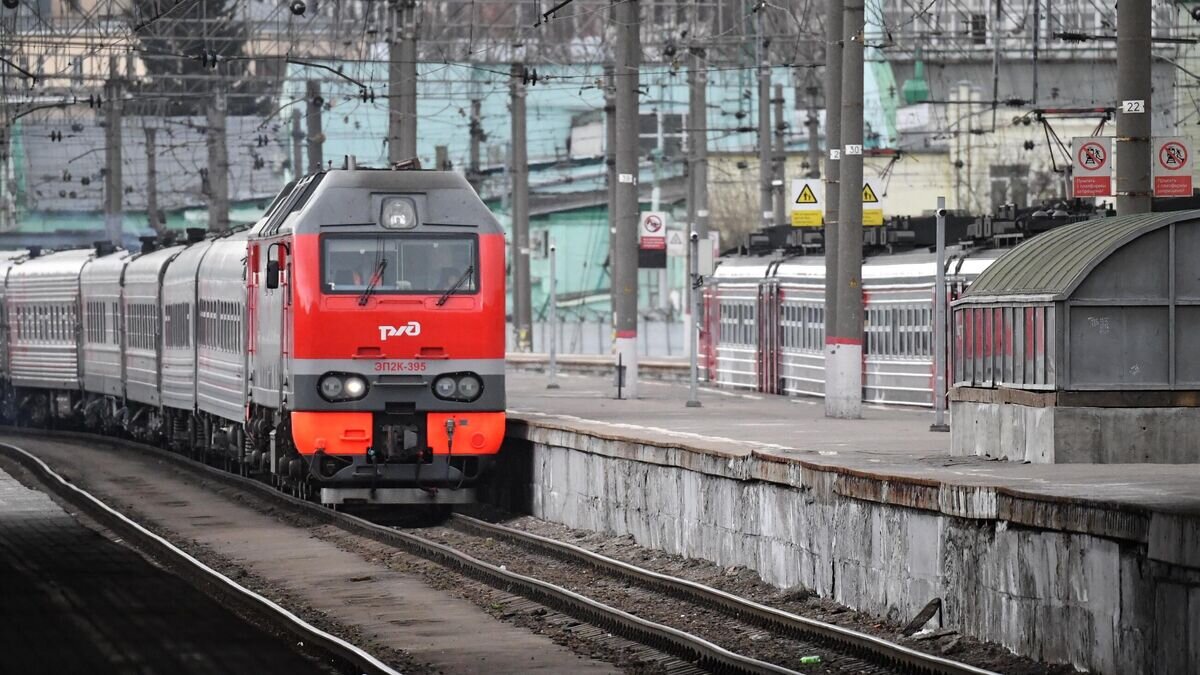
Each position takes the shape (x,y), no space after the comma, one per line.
(399,263)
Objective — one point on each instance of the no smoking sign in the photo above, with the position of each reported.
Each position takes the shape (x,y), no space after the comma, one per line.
(1172,168)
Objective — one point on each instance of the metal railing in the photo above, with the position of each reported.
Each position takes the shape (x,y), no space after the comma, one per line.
(657,336)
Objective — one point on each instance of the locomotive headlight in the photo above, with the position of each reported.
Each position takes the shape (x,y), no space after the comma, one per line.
(462,387)
(398,213)
(445,387)
(331,387)
(336,387)
(469,387)
(355,387)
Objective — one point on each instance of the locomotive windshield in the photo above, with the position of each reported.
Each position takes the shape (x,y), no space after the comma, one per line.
(399,264)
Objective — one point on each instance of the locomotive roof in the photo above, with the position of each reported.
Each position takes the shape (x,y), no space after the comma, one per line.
(350,197)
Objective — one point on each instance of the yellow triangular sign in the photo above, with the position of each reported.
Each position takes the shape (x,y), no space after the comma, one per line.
(806,196)
(869,195)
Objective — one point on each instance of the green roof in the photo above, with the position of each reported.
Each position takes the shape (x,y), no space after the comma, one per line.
(1056,262)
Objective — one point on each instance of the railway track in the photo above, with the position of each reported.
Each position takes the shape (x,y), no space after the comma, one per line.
(875,653)
(864,647)
(346,657)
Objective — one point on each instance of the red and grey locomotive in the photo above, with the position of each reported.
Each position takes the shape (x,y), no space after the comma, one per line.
(350,344)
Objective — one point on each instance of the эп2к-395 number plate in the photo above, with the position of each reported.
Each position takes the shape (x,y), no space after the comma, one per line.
(400,366)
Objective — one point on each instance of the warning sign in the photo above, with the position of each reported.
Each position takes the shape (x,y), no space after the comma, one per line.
(1172,168)
(652,235)
(872,203)
(808,195)
(676,244)
(1091,174)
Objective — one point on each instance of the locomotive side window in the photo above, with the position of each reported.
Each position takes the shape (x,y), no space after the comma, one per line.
(399,263)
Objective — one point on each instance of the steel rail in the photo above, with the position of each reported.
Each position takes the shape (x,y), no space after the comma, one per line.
(663,638)
(862,645)
(221,587)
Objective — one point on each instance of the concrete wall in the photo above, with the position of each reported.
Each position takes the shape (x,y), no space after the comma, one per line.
(1069,434)
(1097,602)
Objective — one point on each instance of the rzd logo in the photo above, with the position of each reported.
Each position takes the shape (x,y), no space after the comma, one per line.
(411,328)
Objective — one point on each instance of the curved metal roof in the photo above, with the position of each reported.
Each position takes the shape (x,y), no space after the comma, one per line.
(1052,265)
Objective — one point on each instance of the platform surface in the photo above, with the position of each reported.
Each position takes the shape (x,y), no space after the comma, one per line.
(887,443)
(74,601)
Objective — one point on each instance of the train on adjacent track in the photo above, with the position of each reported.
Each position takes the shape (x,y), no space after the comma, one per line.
(765,323)
(765,305)
(349,346)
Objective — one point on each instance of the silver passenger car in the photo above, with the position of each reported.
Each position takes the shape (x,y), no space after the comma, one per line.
(143,312)
(767,323)
(7,260)
(100,332)
(43,312)
(179,327)
(220,333)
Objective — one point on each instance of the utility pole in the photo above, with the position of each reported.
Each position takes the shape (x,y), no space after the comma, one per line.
(610,162)
(402,82)
(553,315)
(1037,38)
(765,191)
(833,143)
(474,172)
(996,35)
(813,123)
(1133,92)
(664,292)
(626,73)
(843,364)
(699,153)
(7,198)
(939,324)
(114,189)
(316,138)
(152,214)
(297,146)
(696,137)
(218,160)
(779,165)
(441,158)
(522,291)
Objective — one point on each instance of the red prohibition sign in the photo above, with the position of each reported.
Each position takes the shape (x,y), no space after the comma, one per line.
(1173,156)
(653,223)
(1092,156)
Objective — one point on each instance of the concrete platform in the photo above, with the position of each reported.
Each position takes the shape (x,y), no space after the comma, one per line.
(1094,565)
(77,602)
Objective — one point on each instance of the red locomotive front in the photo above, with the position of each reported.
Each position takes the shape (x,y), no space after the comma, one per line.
(377,336)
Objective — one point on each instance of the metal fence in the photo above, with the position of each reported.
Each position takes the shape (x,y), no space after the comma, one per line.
(656,337)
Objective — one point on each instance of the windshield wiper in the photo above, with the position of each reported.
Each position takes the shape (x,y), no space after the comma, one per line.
(375,279)
(465,275)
